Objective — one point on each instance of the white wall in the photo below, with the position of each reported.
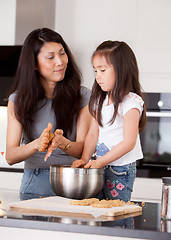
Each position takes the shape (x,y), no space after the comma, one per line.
(144,25)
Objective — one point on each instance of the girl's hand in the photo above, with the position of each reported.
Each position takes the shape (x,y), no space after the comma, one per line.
(44,139)
(93,164)
(78,163)
(57,141)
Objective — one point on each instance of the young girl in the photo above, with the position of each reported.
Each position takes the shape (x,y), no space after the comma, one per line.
(118,116)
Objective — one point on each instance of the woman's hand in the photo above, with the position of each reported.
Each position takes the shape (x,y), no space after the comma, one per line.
(44,139)
(57,141)
(78,163)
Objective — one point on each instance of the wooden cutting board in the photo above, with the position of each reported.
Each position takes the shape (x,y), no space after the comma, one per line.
(58,206)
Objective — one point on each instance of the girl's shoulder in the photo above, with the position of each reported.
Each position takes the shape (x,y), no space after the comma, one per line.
(133,97)
(130,101)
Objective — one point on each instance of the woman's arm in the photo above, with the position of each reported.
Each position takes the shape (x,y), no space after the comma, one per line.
(130,132)
(75,149)
(14,152)
(89,145)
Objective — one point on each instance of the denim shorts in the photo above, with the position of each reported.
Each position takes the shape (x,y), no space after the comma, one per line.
(35,183)
(118,182)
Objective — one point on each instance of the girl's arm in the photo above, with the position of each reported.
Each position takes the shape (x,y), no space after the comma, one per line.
(75,148)
(14,152)
(130,132)
(89,145)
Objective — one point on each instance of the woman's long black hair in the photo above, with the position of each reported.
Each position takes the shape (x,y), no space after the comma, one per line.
(67,97)
(123,60)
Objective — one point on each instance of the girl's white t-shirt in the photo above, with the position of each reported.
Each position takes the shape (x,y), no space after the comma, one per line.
(111,135)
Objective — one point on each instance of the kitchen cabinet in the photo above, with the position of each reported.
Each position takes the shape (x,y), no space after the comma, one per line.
(7,22)
(144,25)
(147,190)
(3,129)
(44,235)
(152,44)
(10,180)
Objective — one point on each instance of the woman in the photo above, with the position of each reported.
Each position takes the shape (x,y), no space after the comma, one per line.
(46,96)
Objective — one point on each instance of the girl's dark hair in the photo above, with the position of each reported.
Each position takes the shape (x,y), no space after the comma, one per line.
(123,60)
(67,97)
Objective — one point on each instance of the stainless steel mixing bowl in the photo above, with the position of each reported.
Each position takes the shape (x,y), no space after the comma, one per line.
(76,183)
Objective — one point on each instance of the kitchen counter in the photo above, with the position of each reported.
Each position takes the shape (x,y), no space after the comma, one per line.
(148,225)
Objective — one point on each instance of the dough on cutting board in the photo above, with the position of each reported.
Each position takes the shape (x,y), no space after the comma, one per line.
(84,202)
(108,203)
(94,202)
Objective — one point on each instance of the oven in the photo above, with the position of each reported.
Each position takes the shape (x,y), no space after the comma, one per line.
(156,137)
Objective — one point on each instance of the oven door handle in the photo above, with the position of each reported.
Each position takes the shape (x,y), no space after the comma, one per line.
(158,114)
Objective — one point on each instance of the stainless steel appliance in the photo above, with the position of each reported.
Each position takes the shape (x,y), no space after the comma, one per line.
(156,137)
(9,56)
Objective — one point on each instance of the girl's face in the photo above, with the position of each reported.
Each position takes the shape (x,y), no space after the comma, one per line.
(104,73)
(52,62)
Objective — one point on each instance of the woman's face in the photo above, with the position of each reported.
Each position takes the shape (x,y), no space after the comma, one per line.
(52,62)
(104,73)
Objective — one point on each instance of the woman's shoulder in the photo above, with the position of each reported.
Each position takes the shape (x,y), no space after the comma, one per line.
(85,96)
(12,96)
(85,91)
